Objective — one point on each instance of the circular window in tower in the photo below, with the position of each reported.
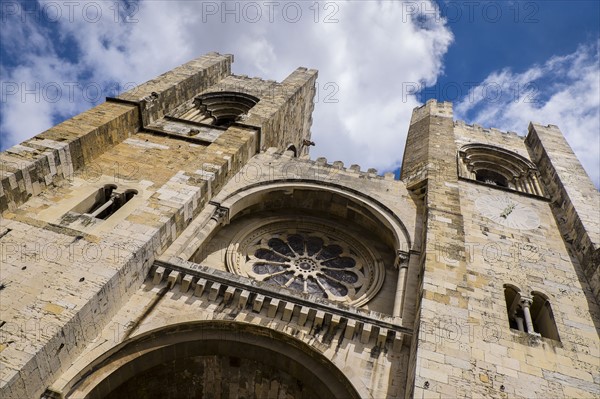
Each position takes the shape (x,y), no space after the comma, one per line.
(312,257)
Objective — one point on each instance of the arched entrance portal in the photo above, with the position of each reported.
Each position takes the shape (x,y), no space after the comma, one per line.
(212,360)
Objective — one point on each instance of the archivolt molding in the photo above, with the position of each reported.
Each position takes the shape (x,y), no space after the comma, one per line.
(498,166)
(164,344)
(218,108)
(239,200)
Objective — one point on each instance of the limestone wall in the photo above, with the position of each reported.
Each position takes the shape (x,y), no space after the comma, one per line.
(112,256)
(575,200)
(78,292)
(60,153)
(65,275)
(465,346)
(466,134)
(159,96)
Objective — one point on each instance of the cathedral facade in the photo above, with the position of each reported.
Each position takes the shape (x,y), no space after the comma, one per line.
(177,242)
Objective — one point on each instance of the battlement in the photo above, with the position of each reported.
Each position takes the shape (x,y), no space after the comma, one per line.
(337,166)
(491,130)
(434,108)
(444,109)
(265,89)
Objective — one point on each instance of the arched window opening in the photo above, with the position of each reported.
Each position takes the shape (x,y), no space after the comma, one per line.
(101,197)
(112,204)
(220,109)
(491,177)
(129,194)
(531,315)
(293,149)
(542,317)
(516,316)
(498,167)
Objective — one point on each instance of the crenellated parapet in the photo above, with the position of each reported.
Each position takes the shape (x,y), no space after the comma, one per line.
(334,167)
(491,130)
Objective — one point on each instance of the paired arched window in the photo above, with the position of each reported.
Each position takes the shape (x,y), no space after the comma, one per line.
(532,315)
(499,167)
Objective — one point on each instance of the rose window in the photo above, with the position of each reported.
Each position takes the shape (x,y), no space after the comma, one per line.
(306,263)
(311,260)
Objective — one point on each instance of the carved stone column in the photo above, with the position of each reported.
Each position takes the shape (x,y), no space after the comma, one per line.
(536,183)
(402,265)
(526,304)
(205,229)
(519,321)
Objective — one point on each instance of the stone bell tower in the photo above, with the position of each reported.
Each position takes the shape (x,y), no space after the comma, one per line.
(176,241)
(510,285)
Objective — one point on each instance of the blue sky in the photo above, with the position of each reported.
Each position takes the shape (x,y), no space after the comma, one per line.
(377,60)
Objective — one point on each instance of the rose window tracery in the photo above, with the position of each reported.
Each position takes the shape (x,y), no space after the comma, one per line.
(312,258)
(308,264)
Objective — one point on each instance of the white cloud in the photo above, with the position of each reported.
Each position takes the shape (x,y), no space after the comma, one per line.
(564,91)
(364,52)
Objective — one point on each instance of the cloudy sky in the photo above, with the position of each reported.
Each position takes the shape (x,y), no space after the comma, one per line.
(502,63)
